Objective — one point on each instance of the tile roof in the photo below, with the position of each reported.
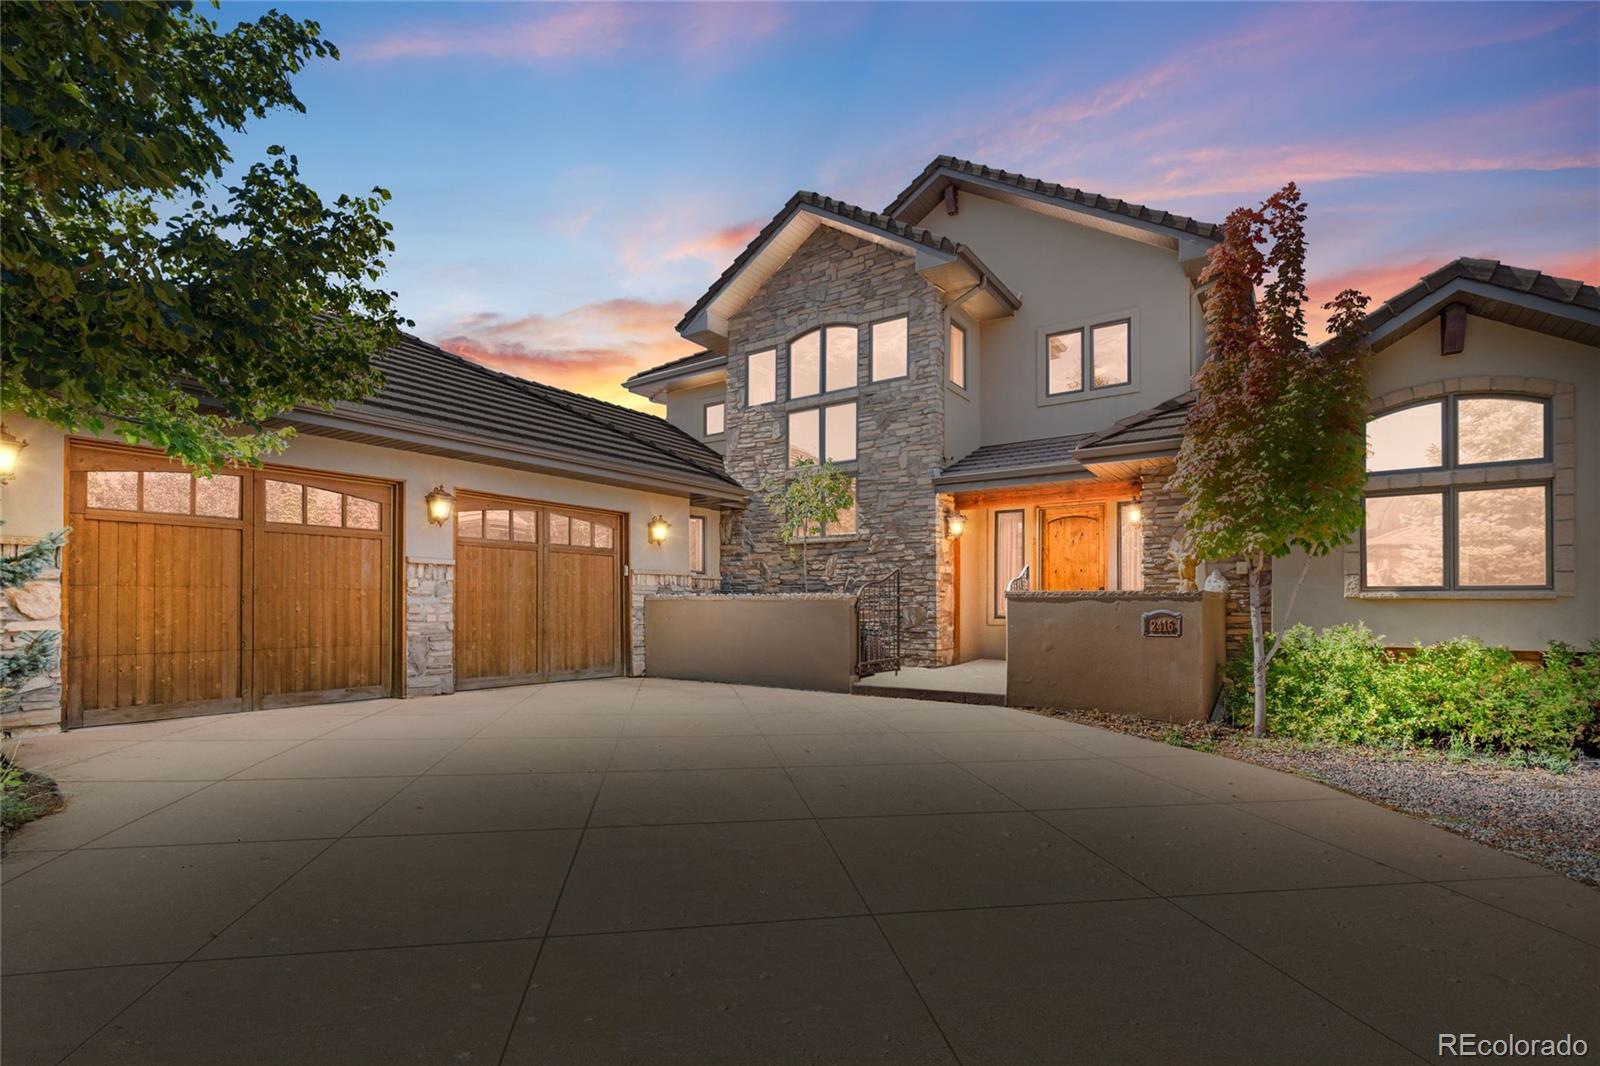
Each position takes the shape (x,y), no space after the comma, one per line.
(858,216)
(1161,423)
(1016,456)
(1063,193)
(1491,272)
(427,388)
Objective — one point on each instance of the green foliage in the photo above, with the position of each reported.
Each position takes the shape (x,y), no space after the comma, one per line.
(24,795)
(129,289)
(32,560)
(807,502)
(1342,685)
(1274,456)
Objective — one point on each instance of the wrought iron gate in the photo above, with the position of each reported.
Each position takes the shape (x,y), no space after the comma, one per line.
(878,625)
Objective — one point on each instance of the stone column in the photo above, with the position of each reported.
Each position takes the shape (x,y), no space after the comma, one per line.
(32,609)
(430,627)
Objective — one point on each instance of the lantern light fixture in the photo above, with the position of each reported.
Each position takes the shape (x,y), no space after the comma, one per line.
(10,451)
(441,505)
(658,529)
(955,524)
(1135,514)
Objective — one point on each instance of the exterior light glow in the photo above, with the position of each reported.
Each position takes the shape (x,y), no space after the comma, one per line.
(955,524)
(10,452)
(441,504)
(658,529)
(1135,514)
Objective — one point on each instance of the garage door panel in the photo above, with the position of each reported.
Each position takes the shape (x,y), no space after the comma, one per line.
(498,632)
(581,613)
(183,599)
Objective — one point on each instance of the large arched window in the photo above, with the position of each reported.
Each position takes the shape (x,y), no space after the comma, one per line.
(1460,495)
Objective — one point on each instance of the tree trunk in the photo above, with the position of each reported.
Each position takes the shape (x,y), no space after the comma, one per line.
(805,567)
(1258,659)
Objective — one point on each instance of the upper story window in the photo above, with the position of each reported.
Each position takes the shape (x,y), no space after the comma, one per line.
(1469,525)
(716,418)
(889,349)
(958,356)
(762,380)
(1099,355)
(823,360)
(820,434)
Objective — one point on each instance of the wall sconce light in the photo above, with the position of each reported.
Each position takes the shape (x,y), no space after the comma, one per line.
(1135,514)
(955,524)
(10,451)
(441,504)
(658,529)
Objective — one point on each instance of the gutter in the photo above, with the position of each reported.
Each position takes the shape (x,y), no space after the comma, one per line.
(1156,449)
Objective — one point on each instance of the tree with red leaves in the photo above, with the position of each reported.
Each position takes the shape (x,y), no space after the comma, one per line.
(1274,456)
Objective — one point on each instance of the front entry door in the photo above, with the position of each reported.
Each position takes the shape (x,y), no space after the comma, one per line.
(1073,548)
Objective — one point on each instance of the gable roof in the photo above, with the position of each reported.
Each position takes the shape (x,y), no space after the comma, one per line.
(1520,296)
(948,265)
(1019,460)
(925,191)
(1153,430)
(439,402)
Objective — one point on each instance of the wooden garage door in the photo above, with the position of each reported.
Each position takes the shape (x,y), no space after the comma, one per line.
(184,598)
(537,592)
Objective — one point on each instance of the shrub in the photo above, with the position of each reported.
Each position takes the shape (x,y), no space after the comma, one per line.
(1342,685)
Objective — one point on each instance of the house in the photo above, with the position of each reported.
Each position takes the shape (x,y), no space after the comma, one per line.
(1002,365)
(338,572)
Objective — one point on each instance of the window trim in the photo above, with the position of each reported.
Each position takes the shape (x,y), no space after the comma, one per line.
(1453,431)
(1083,349)
(824,387)
(996,590)
(821,410)
(705,416)
(872,349)
(748,359)
(702,568)
(1444,436)
(966,357)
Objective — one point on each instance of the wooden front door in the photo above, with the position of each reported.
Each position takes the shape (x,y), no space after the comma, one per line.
(538,592)
(194,596)
(1072,551)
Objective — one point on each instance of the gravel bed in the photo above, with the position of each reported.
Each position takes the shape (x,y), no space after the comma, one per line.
(1548,818)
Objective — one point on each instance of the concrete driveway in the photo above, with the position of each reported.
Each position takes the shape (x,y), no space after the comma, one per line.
(624,871)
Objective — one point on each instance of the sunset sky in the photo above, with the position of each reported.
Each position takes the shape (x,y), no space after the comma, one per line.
(568,178)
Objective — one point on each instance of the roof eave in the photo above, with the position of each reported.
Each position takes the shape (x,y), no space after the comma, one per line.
(1153,449)
(1010,477)
(402,432)
(1416,315)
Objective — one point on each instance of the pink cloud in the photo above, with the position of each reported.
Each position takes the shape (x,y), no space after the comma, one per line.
(543,34)
(718,245)
(590,349)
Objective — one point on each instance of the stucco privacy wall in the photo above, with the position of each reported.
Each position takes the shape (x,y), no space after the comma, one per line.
(35,503)
(1088,648)
(795,641)
(1496,356)
(835,279)
(1070,276)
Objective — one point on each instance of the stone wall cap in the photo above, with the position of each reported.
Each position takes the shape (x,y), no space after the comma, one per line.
(756,596)
(1111,596)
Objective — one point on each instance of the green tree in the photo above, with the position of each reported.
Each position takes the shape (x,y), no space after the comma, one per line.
(29,654)
(1274,455)
(807,503)
(133,286)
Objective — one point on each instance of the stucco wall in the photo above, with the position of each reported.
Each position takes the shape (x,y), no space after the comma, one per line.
(1086,650)
(1069,275)
(838,279)
(34,503)
(686,410)
(1521,621)
(963,407)
(805,642)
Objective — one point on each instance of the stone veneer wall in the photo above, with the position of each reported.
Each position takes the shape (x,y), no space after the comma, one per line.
(837,279)
(32,608)
(642,585)
(1161,528)
(430,627)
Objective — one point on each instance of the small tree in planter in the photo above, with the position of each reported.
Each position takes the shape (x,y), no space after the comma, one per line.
(806,503)
(1274,455)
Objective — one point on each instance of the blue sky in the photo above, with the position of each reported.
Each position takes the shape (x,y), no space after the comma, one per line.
(568,177)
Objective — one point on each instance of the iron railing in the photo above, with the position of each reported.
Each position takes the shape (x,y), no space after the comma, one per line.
(1021,581)
(878,625)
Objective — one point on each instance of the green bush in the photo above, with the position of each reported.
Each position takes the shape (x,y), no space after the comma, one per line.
(1342,685)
